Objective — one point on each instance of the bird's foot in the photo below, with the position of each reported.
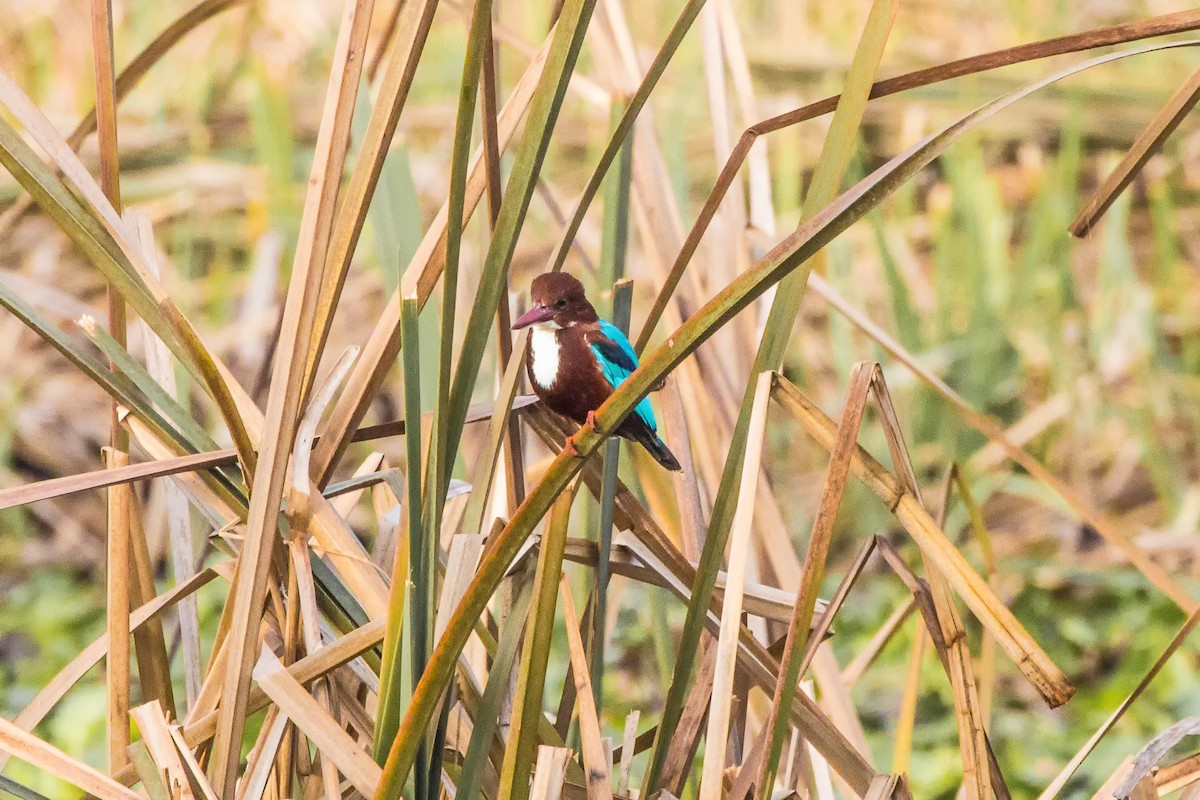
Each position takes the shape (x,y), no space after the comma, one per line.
(591,421)
(570,449)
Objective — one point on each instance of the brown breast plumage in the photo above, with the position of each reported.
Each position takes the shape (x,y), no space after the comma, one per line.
(578,386)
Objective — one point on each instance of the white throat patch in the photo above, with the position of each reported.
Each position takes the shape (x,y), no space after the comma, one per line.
(543,347)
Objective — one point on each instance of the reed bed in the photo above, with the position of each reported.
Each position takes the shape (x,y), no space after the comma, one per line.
(937,454)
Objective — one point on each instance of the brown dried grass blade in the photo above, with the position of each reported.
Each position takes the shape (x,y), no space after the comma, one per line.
(417,18)
(289,383)
(731,609)
(199,780)
(156,733)
(761,667)
(33,750)
(837,696)
(595,761)
(1038,668)
(813,573)
(421,275)
(260,764)
(825,622)
(46,699)
(120,500)
(1088,40)
(1178,775)
(175,465)
(972,729)
(314,665)
(632,559)
(183,559)
(324,731)
(1147,143)
(995,433)
(149,640)
(110,164)
(1067,771)
(91,220)
(681,753)
(928,606)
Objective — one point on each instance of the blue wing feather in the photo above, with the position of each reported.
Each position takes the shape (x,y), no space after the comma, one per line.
(618,360)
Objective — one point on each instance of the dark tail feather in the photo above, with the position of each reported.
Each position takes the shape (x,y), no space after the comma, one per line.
(657,448)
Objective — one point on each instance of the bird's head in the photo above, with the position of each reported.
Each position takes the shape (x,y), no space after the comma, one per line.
(558,302)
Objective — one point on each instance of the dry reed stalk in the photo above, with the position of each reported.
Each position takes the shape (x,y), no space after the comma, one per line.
(1148,142)
(120,500)
(621,787)
(155,729)
(183,560)
(422,273)
(415,23)
(290,379)
(166,465)
(972,730)
(28,747)
(549,772)
(996,434)
(796,642)
(54,690)
(995,616)
(597,765)
(149,640)
(333,743)
(731,608)
(888,787)
(754,658)
(260,763)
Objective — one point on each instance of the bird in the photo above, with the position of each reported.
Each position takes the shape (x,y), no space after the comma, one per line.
(576,360)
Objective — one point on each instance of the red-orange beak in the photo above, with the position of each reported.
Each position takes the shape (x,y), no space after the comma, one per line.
(539,313)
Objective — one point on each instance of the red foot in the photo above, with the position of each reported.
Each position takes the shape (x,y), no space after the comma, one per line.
(591,421)
(570,449)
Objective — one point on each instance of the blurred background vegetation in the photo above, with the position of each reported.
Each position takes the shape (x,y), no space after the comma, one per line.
(1093,345)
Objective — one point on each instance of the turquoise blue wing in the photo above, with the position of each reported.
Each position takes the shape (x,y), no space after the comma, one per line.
(617,361)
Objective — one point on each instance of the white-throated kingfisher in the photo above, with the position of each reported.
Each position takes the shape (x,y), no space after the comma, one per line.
(576,360)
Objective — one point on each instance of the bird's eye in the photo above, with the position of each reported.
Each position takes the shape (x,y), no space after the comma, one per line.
(561,303)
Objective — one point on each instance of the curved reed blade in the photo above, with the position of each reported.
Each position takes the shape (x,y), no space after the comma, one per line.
(827,178)
(29,748)
(1152,27)
(124,83)
(414,25)
(797,248)
(93,224)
